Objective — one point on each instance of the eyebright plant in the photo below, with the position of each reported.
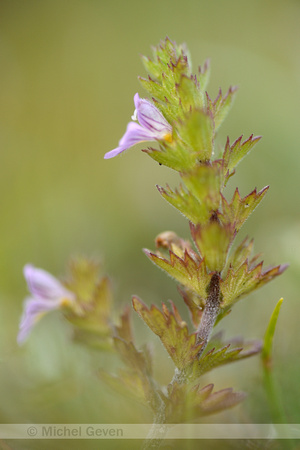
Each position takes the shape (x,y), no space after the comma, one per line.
(212,271)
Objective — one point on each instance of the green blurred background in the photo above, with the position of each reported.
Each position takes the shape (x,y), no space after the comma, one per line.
(68,73)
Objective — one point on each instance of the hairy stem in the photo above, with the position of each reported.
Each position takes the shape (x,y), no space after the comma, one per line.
(210,312)
(157,431)
(159,428)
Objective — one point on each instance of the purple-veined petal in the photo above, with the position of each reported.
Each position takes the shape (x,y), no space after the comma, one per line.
(43,285)
(152,126)
(134,134)
(47,294)
(34,309)
(151,118)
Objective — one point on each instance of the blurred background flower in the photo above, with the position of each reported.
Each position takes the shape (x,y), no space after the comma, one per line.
(68,74)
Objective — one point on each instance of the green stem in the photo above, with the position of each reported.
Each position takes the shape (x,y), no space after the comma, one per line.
(210,313)
(208,319)
(158,430)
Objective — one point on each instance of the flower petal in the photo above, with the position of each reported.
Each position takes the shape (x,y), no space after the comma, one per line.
(151,118)
(47,294)
(134,134)
(34,309)
(44,286)
(114,152)
(152,126)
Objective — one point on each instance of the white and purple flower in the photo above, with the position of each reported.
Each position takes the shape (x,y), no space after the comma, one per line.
(47,294)
(152,126)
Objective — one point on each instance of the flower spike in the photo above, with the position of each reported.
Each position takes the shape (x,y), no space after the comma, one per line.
(152,126)
(47,294)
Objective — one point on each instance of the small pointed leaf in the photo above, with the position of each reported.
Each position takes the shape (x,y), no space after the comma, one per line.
(203,75)
(154,88)
(174,155)
(241,254)
(133,358)
(153,68)
(234,153)
(197,133)
(172,331)
(215,358)
(220,107)
(186,203)
(124,329)
(246,279)
(129,384)
(192,303)
(239,209)
(187,404)
(204,183)
(224,399)
(213,241)
(186,271)
(189,93)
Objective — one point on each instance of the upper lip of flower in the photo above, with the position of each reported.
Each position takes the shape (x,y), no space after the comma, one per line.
(152,126)
(47,294)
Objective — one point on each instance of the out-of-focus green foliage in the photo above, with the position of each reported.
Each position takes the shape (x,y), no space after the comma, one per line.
(67,77)
(266,354)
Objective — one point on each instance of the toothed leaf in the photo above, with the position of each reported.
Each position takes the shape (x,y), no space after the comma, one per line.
(192,303)
(213,242)
(135,380)
(220,107)
(203,75)
(221,400)
(186,203)
(244,280)
(129,384)
(133,358)
(204,183)
(234,153)
(218,357)
(197,133)
(187,404)
(186,271)
(153,68)
(174,156)
(189,92)
(239,209)
(123,330)
(154,88)
(241,254)
(172,331)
